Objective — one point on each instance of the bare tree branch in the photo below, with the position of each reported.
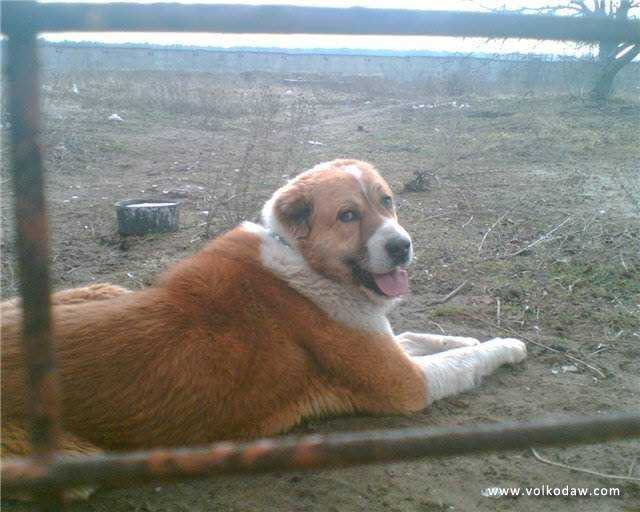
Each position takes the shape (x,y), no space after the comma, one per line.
(623,10)
(547,9)
(582,6)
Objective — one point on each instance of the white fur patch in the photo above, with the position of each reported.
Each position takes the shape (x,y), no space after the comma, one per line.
(253,228)
(354,170)
(379,261)
(271,222)
(422,344)
(341,303)
(454,371)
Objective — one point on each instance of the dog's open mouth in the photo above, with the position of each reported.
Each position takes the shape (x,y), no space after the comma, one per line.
(391,284)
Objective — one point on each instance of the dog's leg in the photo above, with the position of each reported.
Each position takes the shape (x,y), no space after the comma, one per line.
(421,344)
(461,369)
(383,378)
(371,372)
(16,440)
(100,291)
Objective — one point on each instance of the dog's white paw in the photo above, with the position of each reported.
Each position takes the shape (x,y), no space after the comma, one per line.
(454,371)
(511,350)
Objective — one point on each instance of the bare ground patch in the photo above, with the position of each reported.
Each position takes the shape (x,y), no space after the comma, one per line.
(535,202)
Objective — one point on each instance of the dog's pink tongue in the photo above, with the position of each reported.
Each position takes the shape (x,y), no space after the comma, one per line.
(393,284)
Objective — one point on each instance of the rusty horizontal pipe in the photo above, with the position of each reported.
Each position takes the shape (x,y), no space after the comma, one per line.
(32,248)
(313,451)
(284,19)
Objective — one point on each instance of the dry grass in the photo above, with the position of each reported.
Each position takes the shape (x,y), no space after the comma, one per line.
(531,200)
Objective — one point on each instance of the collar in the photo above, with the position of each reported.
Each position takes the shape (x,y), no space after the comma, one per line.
(279,238)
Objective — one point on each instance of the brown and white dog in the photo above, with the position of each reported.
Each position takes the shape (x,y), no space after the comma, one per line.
(265,326)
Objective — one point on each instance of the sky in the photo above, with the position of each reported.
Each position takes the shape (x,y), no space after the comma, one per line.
(400,43)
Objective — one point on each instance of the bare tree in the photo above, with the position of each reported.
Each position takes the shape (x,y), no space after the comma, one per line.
(612,55)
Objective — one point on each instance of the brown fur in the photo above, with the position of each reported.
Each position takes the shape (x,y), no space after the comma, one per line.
(221,348)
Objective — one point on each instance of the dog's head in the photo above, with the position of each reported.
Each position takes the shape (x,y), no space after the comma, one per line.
(341,216)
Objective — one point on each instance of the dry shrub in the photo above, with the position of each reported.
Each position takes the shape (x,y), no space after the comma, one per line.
(191,94)
(275,141)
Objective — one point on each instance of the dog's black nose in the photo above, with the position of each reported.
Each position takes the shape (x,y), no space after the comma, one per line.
(399,249)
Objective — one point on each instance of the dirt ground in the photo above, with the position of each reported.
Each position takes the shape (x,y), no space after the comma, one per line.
(533,201)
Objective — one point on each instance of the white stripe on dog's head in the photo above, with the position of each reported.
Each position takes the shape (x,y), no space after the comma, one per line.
(354,170)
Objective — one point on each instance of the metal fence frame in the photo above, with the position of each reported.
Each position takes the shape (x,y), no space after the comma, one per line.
(46,473)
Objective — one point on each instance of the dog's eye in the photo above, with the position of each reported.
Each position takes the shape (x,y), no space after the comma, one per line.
(387,201)
(348,216)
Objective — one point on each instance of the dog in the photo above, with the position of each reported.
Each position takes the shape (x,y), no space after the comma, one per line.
(267,325)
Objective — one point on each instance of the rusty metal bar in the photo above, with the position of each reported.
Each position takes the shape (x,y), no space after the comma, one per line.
(33,250)
(314,451)
(283,19)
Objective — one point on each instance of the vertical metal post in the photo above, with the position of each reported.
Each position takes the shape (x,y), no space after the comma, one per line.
(33,248)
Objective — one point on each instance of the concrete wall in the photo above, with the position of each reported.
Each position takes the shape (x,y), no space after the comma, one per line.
(528,74)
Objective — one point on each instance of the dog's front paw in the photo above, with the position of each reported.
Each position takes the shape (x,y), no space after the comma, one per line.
(511,350)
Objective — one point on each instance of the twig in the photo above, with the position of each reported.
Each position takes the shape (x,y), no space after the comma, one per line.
(543,238)
(582,470)
(498,310)
(542,345)
(623,263)
(466,223)
(598,350)
(439,215)
(227,201)
(438,326)
(447,297)
(490,230)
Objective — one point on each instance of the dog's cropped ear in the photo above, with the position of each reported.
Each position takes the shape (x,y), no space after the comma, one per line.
(293,209)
